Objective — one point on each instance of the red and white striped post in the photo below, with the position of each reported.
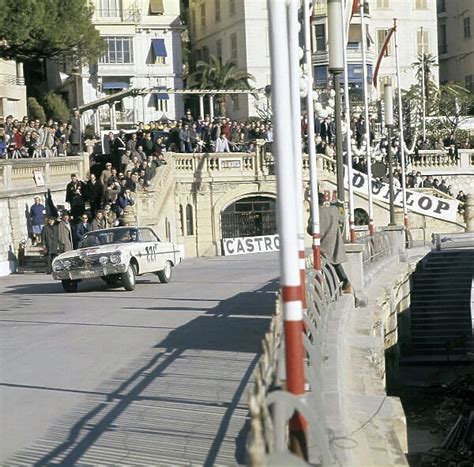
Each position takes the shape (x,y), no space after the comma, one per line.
(352,233)
(287,218)
(313,169)
(295,71)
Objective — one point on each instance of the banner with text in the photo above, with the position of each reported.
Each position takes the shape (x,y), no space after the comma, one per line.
(246,245)
(418,202)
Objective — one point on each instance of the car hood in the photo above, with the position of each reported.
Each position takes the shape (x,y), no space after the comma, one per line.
(95,250)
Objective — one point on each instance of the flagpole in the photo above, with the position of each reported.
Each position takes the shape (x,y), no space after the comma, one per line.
(367,123)
(287,218)
(401,130)
(313,171)
(348,135)
(423,104)
(293,45)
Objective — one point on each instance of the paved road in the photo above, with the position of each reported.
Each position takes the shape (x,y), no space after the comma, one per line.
(157,376)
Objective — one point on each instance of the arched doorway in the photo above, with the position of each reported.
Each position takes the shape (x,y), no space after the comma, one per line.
(249,217)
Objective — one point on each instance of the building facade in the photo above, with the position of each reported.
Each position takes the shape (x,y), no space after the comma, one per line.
(416,32)
(12,89)
(456,42)
(234,30)
(143,51)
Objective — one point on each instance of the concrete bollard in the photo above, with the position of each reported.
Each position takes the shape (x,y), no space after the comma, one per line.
(469,213)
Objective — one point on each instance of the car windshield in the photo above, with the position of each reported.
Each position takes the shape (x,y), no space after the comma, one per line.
(107,237)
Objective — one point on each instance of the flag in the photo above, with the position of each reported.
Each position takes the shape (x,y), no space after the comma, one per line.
(381,54)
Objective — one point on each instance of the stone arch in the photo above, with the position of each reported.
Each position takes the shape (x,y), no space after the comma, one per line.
(233,195)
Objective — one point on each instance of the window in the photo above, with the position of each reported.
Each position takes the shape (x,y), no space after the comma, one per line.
(443,45)
(233,47)
(381,35)
(219,49)
(235,102)
(108,8)
(189,220)
(382,4)
(119,50)
(467,27)
(355,37)
(162,102)
(156,7)
(148,236)
(320,33)
(203,15)
(231,7)
(181,219)
(441,6)
(422,42)
(217,10)
(159,51)
(420,5)
(469,82)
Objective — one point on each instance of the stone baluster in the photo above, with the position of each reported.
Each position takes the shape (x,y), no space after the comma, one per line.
(469,213)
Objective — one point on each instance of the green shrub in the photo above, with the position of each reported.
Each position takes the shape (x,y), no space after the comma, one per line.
(56,108)
(35,110)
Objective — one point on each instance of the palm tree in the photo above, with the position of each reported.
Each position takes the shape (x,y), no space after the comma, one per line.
(427,62)
(217,75)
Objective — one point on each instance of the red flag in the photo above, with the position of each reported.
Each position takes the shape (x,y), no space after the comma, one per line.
(381,55)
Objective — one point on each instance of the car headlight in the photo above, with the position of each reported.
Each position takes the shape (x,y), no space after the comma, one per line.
(66,264)
(58,266)
(103,260)
(114,258)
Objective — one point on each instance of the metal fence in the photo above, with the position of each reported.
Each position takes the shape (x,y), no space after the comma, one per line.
(271,406)
(375,248)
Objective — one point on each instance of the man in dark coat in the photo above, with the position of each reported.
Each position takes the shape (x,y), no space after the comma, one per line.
(81,229)
(75,138)
(94,193)
(75,191)
(50,240)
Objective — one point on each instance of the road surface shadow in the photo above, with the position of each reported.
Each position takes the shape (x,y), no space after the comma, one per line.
(184,401)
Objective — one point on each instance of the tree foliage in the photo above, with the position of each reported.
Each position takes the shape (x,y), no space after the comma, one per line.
(55,107)
(217,75)
(34,29)
(35,110)
(424,67)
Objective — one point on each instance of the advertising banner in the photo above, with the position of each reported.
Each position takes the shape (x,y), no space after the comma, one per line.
(246,245)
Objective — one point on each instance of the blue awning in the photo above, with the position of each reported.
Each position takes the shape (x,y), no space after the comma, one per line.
(115,85)
(161,96)
(159,48)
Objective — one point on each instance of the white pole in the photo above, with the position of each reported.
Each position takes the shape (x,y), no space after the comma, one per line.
(423,104)
(286,200)
(295,72)
(211,107)
(348,134)
(367,123)
(400,126)
(201,105)
(313,170)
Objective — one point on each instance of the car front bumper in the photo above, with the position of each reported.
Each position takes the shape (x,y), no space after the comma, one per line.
(90,272)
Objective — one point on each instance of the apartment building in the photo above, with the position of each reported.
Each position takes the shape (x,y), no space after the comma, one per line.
(143,39)
(417,32)
(12,89)
(456,42)
(233,30)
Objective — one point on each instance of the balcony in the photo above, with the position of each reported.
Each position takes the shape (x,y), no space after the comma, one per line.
(111,15)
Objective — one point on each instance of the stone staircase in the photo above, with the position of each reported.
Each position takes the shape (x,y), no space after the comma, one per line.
(33,260)
(440,311)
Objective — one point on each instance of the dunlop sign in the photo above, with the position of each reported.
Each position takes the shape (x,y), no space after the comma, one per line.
(246,245)
(420,203)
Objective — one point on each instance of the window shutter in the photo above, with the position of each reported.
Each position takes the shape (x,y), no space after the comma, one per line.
(156,7)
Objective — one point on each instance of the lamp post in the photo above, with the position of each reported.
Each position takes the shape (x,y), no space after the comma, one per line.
(336,67)
(388,104)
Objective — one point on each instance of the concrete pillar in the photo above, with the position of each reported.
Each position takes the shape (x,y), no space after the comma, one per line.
(201,105)
(4,106)
(96,117)
(20,77)
(113,119)
(143,108)
(211,107)
(469,213)
(135,110)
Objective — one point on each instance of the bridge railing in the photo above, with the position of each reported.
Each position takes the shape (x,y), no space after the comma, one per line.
(271,406)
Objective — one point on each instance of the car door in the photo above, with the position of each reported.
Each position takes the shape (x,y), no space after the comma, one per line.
(154,261)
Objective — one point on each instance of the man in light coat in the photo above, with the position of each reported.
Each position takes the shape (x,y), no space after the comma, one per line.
(65,233)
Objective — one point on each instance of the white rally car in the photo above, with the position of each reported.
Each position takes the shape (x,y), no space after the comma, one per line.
(117,254)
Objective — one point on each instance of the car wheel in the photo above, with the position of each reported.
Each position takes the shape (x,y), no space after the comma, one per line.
(69,285)
(165,274)
(128,277)
(111,280)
